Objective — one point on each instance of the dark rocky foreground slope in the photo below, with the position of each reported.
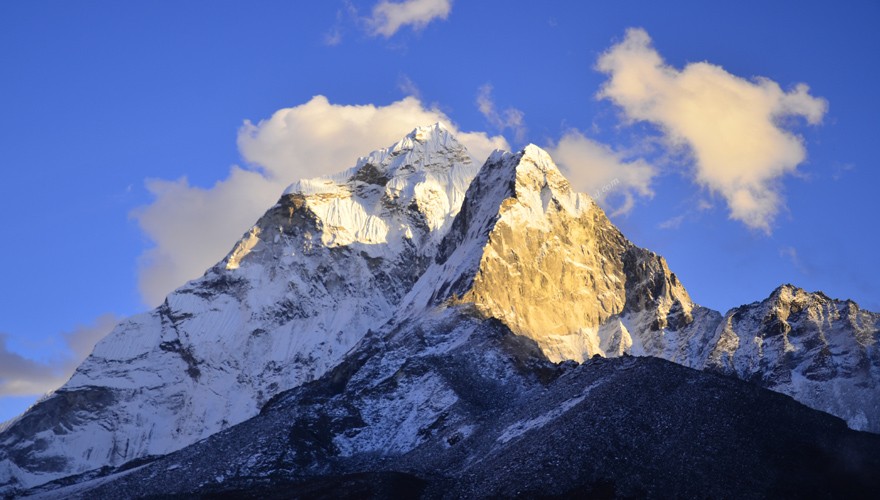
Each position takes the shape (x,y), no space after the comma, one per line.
(480,412)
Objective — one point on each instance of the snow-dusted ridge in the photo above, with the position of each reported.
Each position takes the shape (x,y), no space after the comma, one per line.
(416,238)
(823,352)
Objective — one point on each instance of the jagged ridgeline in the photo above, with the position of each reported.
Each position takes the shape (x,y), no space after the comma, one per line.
(355,302)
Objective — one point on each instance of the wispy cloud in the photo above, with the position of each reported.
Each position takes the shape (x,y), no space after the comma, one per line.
(672,222)
(20,376)
(733,127)
(334,35)
(509,119)
(791,254)
(841,169)
(603,173)
(389,17)
(694,211)
(193,227)
(408,87)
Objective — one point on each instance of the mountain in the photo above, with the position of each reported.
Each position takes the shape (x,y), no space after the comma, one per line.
(528,250)
(413,302)
(820,351)
(327,263)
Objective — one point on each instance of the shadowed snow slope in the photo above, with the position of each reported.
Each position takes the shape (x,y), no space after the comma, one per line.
(417,251)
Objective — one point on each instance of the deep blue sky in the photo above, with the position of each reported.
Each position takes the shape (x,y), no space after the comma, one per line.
(96,97)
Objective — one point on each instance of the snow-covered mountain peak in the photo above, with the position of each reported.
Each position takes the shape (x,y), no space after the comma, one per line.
(539,183)
(430,147)
(528,250)
(436,133)
(788,294)
(399,197)
(427,148)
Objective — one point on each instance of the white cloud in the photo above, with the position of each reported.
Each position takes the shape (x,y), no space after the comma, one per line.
(194,227)
(792,255)
(839,170)
(601,172)
(510,118)
(318,138)
(672,222)
(388,17)
(733,127)
(408,87)
(21,376)
(333,37)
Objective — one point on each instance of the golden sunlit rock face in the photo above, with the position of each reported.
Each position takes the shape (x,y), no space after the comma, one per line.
(556,285)
(556,270)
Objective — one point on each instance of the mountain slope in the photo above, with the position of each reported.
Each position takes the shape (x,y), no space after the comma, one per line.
(324,265)
(457,405)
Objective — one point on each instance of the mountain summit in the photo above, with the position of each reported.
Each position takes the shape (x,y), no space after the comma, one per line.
(546,261)
(388,309)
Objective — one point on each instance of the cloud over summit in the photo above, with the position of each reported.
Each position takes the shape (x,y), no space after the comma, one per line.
(733,128)
(511,118)
(193,227)
(600,171)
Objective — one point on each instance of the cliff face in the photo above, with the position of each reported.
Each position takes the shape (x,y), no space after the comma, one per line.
(546,261)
